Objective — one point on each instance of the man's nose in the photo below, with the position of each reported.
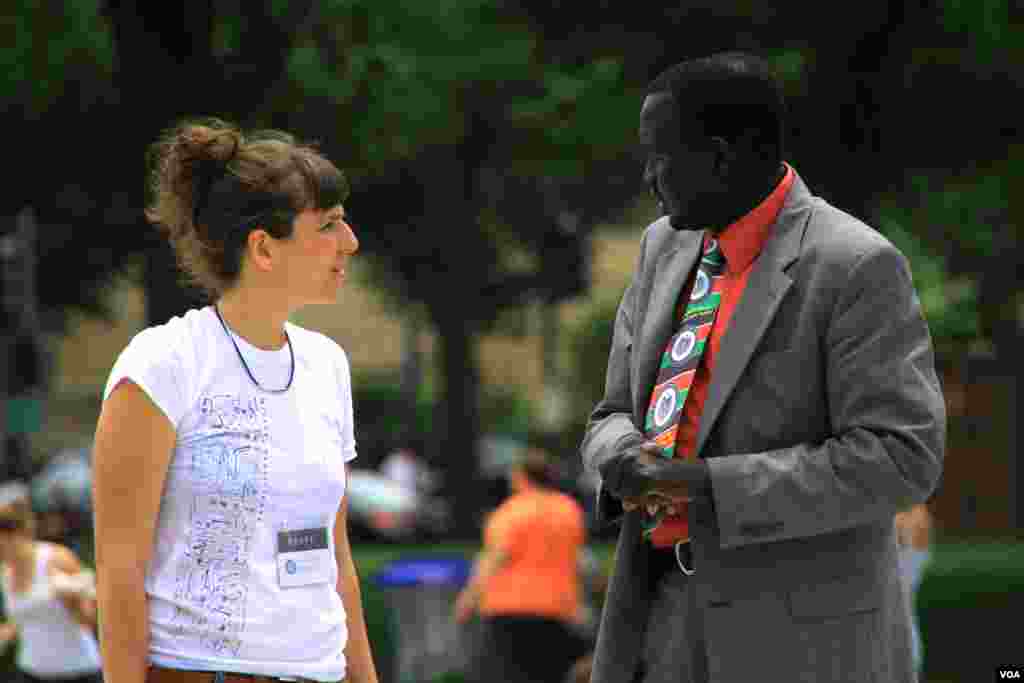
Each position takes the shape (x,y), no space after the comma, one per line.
(648,173)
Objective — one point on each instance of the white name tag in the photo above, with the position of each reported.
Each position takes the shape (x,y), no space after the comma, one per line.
(303,557)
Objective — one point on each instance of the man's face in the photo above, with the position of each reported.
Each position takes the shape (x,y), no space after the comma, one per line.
(677,173)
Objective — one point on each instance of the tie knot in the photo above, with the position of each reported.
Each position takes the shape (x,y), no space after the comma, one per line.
(713,255)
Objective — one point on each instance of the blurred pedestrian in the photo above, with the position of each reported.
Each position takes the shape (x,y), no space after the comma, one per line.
(914,531)
(221,448)
(525,582)
(48,598)
(61,496)
(406,467)
(582,669)
(771,402)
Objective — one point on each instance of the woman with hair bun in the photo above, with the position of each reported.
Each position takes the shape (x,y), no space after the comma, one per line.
(222,550)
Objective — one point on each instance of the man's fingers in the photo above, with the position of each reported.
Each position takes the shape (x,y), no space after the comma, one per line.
(652,448)
(654,504)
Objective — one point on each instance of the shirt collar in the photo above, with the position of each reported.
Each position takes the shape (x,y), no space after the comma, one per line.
(742,240)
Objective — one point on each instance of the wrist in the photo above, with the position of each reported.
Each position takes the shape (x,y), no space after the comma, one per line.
(611,469)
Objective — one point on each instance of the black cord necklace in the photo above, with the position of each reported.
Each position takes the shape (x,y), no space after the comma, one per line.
(291,352)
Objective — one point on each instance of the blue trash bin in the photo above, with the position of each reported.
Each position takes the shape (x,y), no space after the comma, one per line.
(420,593)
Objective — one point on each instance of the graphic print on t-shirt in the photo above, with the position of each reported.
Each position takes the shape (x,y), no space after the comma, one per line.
(228,466)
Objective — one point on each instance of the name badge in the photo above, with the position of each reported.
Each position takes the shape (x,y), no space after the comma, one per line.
(303,557)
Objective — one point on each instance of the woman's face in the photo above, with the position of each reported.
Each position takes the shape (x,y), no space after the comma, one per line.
(10,525)
(316,255)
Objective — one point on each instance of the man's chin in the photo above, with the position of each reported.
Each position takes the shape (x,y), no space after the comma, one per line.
(681,223)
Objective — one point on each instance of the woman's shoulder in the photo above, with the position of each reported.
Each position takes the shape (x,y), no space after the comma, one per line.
(158,354)
(170,337)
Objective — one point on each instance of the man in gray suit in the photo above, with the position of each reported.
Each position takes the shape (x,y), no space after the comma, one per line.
(771,402)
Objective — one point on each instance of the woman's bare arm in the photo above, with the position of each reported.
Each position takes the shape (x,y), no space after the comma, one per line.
(133,446)
(358,655)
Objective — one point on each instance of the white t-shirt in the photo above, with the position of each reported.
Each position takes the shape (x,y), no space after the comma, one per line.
(247,464)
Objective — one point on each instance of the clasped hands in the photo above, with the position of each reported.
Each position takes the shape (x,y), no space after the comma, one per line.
(640,476)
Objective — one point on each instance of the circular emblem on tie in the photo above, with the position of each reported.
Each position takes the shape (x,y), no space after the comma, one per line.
(665,406)
(683,345)
(290,567)
(701,286)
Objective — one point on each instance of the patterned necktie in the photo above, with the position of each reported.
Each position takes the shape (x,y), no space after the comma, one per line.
(683,353)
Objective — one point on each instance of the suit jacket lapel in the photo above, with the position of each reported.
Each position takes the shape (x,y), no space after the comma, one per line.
(766,288)
(670,275)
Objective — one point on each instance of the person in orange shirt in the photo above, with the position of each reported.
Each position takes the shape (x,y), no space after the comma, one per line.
(525,581)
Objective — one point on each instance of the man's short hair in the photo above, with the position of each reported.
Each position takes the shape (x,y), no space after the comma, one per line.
(728,95)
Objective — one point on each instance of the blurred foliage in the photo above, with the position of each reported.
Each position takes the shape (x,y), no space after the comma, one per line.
(383,422)
(403,75)
(48,45)
(547,91)
(950,305)
(590,342)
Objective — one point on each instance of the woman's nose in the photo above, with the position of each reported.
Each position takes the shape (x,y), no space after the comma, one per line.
(349,241)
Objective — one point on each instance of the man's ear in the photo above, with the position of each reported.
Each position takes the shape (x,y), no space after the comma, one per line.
(724,156)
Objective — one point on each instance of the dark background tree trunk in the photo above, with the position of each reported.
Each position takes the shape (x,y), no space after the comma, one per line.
(456,427)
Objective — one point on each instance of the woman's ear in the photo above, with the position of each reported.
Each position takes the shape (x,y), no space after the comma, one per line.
(259,247)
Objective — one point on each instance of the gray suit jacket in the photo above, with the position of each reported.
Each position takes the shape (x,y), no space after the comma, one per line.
(823,418)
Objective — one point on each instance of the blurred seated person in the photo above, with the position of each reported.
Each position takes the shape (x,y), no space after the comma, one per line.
(525,582)
(914,532)
(48,598)
(405,466)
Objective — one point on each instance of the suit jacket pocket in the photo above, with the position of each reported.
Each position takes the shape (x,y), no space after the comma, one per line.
(837,633)
(761,639)
(833,599)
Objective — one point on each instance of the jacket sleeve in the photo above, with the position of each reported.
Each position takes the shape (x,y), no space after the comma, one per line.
(887,414)
(611,423)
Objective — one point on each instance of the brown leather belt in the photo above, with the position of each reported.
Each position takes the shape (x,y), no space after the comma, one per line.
(157,674)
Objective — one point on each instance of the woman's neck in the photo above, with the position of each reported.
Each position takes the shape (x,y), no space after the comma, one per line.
(256,318)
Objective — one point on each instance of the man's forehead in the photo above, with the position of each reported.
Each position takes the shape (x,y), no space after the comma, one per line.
(658,106)
(658,117)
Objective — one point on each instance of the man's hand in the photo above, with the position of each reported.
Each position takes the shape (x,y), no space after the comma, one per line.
(653,504)
(641,477)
